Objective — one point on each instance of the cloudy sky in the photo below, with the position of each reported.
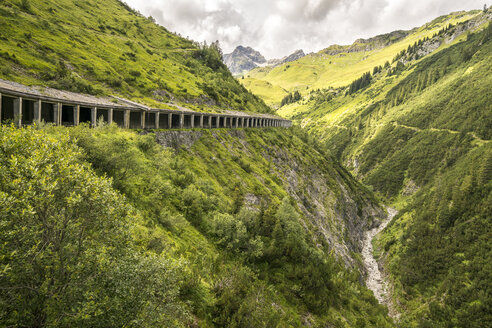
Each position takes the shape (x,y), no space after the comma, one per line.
(278,27)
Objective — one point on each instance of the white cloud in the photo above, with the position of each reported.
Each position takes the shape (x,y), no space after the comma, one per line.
(278,27)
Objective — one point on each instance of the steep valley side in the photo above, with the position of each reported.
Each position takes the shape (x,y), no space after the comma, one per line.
(247,228)
(418,134)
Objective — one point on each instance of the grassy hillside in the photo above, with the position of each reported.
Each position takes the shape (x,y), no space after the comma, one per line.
(338,66)
(106,48)
(419,135)
(214,231)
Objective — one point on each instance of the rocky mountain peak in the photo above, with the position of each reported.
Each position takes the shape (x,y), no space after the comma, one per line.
(244,59)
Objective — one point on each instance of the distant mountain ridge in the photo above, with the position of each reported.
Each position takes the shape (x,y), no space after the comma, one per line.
(244,59)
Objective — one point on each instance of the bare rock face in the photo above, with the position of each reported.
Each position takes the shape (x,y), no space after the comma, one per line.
(298,54)
(243,59)
(335,209)
(377,42)
(177,139)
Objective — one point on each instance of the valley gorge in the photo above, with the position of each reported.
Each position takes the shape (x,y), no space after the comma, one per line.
(150,180)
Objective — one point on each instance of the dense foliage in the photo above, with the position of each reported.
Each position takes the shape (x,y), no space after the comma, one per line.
(360,83)
(205,233)
(420,137)
(291,98)
(68,257)
(105,48)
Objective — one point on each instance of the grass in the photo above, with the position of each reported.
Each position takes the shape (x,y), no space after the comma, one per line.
(320,70)
(107,48)
(420,139)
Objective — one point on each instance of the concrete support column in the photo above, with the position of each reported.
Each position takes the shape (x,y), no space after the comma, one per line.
(110,116)
(157,118)
(93,116)
(192,121)
(142,120)
(237,122)
(76,115)
(55,113)
(210,122)
(201,121)
(18,111)
(170,120)
(126,119)
(37,112)
(181,120)
(225,122)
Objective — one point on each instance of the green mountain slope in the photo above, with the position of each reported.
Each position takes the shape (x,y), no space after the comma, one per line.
(214,231)
(337,66)
(419,134)
(104,47)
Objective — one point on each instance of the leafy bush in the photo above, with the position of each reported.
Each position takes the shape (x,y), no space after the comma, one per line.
(68,258)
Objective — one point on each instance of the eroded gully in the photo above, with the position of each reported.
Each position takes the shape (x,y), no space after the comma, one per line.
(375,281)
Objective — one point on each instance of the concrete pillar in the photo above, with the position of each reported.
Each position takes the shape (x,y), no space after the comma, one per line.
(93,116)
(55,113)
(142,120)
(126,119)
(76,115)
(181,120)
(18,111)
(210,122)
(201,121)
(237,122)
(37,112)
(192,121)
(225,121)
(110,116)
(157,119)
(170,120)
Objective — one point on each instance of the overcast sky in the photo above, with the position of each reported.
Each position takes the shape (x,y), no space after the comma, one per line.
(278,27)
